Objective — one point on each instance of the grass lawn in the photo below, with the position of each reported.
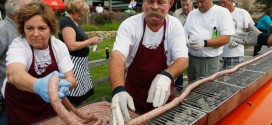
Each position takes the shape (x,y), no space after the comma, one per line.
(99,72)
(102,91)
(100,53)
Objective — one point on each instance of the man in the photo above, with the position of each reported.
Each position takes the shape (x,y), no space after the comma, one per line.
(181,14)
(208,28)
(99,8)
(253,37)
(7,33)
(152,46)
(186,7)
(233,53)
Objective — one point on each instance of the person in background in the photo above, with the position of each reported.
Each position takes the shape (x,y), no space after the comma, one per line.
(32,58)
(264,25)
(208,28)
(181,14)
(233,53)
(78,44)
(7,33)
(99,8)
(253,37)
(186,7)
(152,46)
(132,4)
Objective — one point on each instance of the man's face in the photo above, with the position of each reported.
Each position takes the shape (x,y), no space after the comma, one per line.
(226,3)
(187,6)
(204,5)
(156,10)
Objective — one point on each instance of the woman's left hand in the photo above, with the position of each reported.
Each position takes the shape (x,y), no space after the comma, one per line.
(96,40)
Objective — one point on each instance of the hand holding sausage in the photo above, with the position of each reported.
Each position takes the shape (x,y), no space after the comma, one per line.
(159,91)
(41,86)
(64,88)
(120,103)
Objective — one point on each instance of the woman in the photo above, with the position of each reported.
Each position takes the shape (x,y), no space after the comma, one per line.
(32,59)
(78,44)
(265,26)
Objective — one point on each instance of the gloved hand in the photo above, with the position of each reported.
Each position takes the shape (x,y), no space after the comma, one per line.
(120,103)
(41,86)
(248,37)
(63,88)
(159,91)
(232,43)
(196,44)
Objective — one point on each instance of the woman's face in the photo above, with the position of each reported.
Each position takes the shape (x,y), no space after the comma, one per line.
(37,32)
(77,16)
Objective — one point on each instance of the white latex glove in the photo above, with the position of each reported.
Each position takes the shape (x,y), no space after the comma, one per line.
(159,90)
(232,43)
(196,44)
(95,48)
(120,103)
(248,37)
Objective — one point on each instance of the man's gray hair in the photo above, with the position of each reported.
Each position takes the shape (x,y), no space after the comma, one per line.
(192,1)
(12,6)
(168,2)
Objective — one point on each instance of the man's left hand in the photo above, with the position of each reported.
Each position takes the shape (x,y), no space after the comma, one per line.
(196,44)
(159,91)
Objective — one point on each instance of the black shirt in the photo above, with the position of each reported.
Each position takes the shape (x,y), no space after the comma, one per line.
(80,36)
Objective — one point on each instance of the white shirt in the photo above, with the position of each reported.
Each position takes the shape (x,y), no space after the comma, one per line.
(241,19)
(20,52)
(99,9)
(130,33)
(199,26)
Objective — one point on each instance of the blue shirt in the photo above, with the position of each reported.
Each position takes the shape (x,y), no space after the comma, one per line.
(264,22)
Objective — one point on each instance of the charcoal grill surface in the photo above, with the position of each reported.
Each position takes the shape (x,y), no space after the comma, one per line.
(262,65)
(241,78)
(219,97)
(180,115)
(210,95)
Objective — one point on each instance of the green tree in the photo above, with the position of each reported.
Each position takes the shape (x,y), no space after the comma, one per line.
(261,6)
(267,3)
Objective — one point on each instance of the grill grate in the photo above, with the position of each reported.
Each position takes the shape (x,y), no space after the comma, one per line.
(210,95)
(180,115)
(213,100)
(241,78)
(263,65)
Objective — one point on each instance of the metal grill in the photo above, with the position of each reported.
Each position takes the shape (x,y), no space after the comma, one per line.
(263,65)
(180,115)
(241,78)
(210,95)
(213,100)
